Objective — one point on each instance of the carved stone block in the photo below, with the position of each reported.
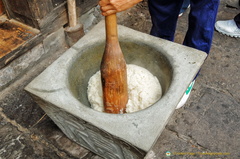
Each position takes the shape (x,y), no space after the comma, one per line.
(61,91)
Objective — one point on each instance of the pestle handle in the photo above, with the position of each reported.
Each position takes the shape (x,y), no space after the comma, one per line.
(111,27)
(72,15)
(113,70)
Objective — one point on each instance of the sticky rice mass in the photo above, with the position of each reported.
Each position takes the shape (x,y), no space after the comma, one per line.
(144,89)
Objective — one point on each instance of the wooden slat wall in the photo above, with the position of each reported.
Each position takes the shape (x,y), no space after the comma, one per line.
(1,7)
(20,7)
(28,11)
(57,2)
(19,10)
(40,8)
(37,13)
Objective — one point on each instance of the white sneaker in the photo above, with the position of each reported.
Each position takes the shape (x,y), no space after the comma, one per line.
(186,95)
(228,27)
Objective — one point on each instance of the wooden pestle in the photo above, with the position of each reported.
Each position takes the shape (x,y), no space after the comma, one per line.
(113,71)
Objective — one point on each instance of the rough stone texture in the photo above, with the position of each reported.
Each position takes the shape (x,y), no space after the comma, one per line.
(216,90)
(91,18)
(12,72)
(18,142)
(55,42)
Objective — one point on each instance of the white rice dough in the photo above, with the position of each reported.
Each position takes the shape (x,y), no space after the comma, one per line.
(144,89)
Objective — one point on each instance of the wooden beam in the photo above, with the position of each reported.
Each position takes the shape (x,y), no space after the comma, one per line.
(2,10)
(7,9)
(40,8)
(56,19)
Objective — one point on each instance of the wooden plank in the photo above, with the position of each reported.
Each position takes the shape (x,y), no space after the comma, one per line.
(16,38)
(51,22)
(18,10)
(33,9)
(57,18)
(56,3)
(20,7)
(21,50)
(40,8)
(8,10)
(29,11)
(25,20)
(2,10)
(12,36)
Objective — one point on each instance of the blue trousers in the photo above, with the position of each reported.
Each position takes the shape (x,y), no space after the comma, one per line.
(184,5)
(202,17)
(237,19)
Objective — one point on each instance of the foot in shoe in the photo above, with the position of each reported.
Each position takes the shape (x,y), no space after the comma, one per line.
(186,95)
(228,27)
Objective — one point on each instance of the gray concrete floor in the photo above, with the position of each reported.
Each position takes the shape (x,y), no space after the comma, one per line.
(208,126)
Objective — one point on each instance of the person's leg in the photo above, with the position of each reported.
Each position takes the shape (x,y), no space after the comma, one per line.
(185,4)
(237,19)
(164,15)
(202,18)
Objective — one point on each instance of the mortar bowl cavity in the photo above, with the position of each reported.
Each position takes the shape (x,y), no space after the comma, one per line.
(88,63)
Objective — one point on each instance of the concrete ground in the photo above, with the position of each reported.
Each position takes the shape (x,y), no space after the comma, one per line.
(207,127)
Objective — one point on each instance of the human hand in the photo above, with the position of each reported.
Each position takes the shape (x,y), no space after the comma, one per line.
(109,7)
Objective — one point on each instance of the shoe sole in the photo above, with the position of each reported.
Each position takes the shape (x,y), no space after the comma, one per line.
(180,14)
(186,95)
(226,33)
(232,6)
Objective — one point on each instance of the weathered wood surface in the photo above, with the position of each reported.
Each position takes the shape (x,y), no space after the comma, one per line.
(31,12)
(32,9)
(20,7)
(56,19)
(55,3)
(1,7)
(28,11)
(45,15)
(113,71)
(15,40)
(17,46)
(18,10)
(40,9)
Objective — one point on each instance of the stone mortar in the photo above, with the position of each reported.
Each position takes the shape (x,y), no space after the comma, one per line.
(61,92)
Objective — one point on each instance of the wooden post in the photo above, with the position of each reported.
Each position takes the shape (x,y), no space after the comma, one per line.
(113,71)
(72,13)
